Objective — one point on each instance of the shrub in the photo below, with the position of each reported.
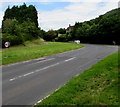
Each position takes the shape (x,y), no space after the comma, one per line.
(13,39)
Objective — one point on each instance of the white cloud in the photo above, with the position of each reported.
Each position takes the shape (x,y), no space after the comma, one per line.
(82,8)
(1,18)
(76,12)
(1,14)
(109,6)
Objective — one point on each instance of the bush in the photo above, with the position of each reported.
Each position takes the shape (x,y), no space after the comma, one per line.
(13,39)
(50,35)
(63,37)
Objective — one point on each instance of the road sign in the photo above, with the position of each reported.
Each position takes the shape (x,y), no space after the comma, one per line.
(7,44)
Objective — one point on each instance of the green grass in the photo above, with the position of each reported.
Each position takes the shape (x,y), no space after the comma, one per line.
(33,50)
(98,85)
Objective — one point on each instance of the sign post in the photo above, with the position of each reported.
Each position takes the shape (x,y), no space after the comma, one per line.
(7,45)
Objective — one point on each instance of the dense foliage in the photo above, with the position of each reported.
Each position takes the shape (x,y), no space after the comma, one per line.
(20,24)
(104,30)
(22,14)
(50,35)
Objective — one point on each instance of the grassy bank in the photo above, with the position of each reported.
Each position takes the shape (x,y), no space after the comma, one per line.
(96,86)
(35,50)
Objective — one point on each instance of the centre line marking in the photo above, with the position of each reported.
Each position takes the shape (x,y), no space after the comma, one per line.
(38,70)
(27,74)
(12,79)
(70,59)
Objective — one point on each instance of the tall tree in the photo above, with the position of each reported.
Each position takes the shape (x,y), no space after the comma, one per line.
(22,14)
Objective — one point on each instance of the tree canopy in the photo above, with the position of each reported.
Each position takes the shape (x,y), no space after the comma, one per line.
(20,24)
(104,29)
(22,14)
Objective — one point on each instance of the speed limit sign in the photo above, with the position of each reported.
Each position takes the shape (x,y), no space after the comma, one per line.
(7,44)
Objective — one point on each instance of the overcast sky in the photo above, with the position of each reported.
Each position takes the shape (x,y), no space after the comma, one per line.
(55,14)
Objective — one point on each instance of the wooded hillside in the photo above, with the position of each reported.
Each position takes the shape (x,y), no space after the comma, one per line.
(20,23)
(104,29)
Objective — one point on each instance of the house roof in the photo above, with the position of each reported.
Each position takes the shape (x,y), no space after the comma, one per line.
(70,27)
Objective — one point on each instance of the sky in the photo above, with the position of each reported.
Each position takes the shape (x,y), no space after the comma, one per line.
(54,14)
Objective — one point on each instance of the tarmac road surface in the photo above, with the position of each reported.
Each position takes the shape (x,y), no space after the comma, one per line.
(28,82)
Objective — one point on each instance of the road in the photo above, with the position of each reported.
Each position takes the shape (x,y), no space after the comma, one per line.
(28,82)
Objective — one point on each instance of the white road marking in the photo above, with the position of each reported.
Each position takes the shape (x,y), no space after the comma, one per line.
(38,70)
(49,94)
(70,59)
(42,99)
(28,74)
(12,79)
(46,67)
(42,61)
(23,62)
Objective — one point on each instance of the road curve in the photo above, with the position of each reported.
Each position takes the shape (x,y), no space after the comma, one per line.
(28,82)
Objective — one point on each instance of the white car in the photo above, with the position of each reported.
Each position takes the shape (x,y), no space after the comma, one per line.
(77,41)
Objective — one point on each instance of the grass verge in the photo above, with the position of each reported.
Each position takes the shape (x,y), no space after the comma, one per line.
(97,86)
(34,50)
